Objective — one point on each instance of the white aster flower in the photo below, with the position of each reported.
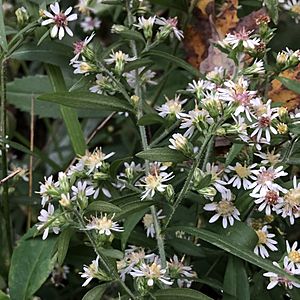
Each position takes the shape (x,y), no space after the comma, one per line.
(242,37)
(118,56)
(47,188)
(90,271)
(277,279)
(197,87)
(81,190)
(144,77)
(182,272)
(256,68)
(237,92)
(264,180)
(269,157)
(151,272)
(44,218)
(90,24)
(149,223)
(171,107)
(268,200)
(170,24)
(82,67)
(291,204)
(294,7)
(264,241)
(242,175)
(103,225)
(178,142)
(225,209)
(145,24)
(60,19)
(215,171)
(80,46)
(292,259)
(192,119)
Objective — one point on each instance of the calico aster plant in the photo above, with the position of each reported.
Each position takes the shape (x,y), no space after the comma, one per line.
(195,184)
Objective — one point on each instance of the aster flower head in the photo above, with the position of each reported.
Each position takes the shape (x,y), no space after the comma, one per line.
(276,279)
(103,225)
(182,272)
(80,47)
(45,217)
(60,19)
(291,203)
(169,26)
(192,119)
(82,191)
(269,157)
(90,271)
(292,259)
(89,24)
(119,59)
(48,189)
(215,171)
(83,67)
(268,200)
(151,273)
(146,25)
(256,68)
(154,182)
(181,143)
(243,38)
(144,77)
(265,240)
(265,178)
(242,175)
(149,223)
(197,87)
(225,209)
(172,107)
(103,85)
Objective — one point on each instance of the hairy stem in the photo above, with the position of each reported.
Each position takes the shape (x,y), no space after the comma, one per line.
(138,92)
(5,200)
(105,263)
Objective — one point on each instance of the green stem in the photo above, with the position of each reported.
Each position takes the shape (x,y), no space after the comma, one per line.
(188,181)
(5,200)
(108,269)
(138,92)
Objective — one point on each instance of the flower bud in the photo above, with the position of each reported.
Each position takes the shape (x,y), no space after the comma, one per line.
(100,176)
(170,193)
(208,191)
(22,16)
(181,143)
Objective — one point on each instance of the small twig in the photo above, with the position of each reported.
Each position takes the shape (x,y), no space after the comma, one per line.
(11,175)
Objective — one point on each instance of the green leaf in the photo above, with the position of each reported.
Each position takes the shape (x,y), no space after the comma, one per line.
(87,100)
(3,41)
(130,224)
(113,253)
(292,85)
(176,60)
(163,154)
(3,296)
(32,262)
(22,90)
(96,293)
(272,8)
(53,53)
(204,182)
(150,119)
(233,153)
(138,63)
(130,35)
(234,248)
(69,115)
(103,206)
(133,207)
(236,284)
(180,294)
(186,247)
(63,244)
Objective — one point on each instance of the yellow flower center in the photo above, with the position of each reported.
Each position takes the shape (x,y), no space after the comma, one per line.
(84,67)
(262,237)
(294,256)
(242,171)
(225,207)
(272,158)
(152,181)
(282,128)
(174,107)
(154,270)
(148,220)
(293,197)
(104,223)
(296,9)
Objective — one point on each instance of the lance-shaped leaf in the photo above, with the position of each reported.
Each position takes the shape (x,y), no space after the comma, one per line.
(88,101)
(163,154)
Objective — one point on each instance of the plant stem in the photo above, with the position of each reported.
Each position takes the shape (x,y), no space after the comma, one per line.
(108,269)
(138,92)
(188,181)
(5,200)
